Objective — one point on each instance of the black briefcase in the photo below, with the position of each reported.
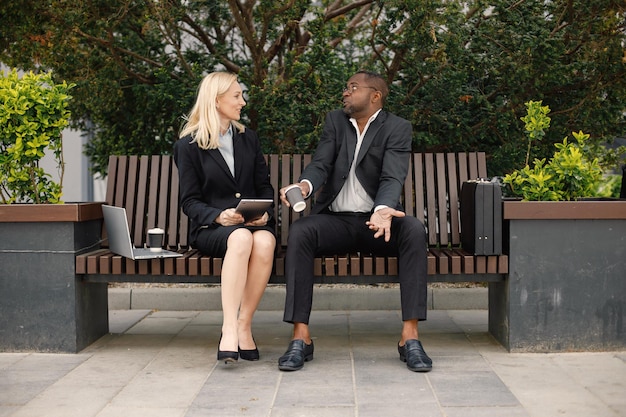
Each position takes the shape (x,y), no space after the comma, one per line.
(481,217)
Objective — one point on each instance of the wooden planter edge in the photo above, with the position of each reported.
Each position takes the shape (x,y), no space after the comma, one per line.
(68,212)
(555,210)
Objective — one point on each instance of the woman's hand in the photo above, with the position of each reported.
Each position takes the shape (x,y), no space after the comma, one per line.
(229,217)
(261,221)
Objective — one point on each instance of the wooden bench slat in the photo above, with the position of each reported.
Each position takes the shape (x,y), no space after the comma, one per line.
(454,189)
(151,218)
(173,224)
(473,166)
(130,267)
(143,266)
(467,261)
(163,196)
(121,180)
(481,159)
(131,167)
(355,264)
(454,260)
(418,168)
(285,179)
(342,265)
(367,265)
(117,266)
(181,264)
(464,174)
(480,264)
(317,267)
(431,264)
(216,265)
(329,266)
(431,200)
(140,189)
(194,263)
(272,161)
(380,267)
(441,200)
(503,264)
(156,266)
(408,190)
(105,263)
(392,265)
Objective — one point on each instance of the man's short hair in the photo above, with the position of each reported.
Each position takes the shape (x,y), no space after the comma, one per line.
(378,82)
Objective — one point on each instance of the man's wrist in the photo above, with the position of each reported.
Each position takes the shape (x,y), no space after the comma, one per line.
(310,187)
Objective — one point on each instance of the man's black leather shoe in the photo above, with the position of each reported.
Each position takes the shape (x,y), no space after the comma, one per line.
(297,353)
(413,354)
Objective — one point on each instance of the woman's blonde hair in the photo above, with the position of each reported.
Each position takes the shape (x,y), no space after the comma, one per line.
(203,122)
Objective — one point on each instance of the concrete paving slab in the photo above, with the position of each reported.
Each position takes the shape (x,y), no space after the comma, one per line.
(114,411)
(163,364)
(122,320)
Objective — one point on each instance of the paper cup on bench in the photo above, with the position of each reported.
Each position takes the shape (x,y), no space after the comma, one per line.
(155,239)
(294,196)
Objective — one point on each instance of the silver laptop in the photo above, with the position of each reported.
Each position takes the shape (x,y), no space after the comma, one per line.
(116,225)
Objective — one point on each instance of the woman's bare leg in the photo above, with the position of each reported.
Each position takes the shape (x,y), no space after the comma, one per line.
(259,270)
(233,282)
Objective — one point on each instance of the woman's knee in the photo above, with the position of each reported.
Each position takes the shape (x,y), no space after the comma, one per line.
(263,242)
(240,240)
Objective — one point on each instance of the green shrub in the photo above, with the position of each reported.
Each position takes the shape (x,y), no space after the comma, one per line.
(570,174)
(33,114)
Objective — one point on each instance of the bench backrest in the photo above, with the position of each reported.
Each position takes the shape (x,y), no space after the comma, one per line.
(148,187)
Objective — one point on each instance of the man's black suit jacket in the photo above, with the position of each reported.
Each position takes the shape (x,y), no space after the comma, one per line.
(381,165)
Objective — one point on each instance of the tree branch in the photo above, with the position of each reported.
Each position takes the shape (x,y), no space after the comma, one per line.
(332,13)
(353,24)
(116,50)
(199,33)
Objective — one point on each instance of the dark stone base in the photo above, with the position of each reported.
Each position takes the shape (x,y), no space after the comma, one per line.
(566,288)
(43,306)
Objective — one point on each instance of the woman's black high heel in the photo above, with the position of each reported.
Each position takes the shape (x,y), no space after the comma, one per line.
(249,354)
(228,356)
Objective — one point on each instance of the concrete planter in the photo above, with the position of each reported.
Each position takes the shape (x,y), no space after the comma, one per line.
(43,307)
(566,288)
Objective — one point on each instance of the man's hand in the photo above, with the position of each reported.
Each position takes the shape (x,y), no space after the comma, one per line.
(380,222)
(304,189)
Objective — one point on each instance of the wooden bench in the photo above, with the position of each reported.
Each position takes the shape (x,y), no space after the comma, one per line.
(148,187)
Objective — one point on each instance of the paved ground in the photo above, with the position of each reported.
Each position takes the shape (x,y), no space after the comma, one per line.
(162,364)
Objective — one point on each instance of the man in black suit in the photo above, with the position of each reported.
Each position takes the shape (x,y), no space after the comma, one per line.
(361,162)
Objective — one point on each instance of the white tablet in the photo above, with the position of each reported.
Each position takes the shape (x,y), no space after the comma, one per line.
(252,208)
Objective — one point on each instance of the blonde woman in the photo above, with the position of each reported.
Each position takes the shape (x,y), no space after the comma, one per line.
(220,162)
